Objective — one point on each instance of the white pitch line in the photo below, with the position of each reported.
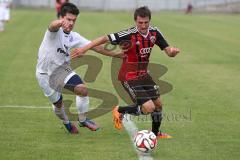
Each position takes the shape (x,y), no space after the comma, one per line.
(132,129)
(41,107)
(26,107)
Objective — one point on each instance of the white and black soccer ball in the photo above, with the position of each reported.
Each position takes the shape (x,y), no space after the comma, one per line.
(145,141)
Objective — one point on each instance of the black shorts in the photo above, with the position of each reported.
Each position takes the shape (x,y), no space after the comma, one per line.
(142,90)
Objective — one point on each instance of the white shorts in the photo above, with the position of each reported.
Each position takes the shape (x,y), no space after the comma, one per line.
(52,87)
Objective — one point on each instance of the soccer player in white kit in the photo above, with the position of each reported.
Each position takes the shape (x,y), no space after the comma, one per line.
(53,69)
(4,13)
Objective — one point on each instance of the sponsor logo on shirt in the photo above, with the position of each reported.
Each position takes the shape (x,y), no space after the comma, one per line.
(145,51)
(60,50)
(66,47)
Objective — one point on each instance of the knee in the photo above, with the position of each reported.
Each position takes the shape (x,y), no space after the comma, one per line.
(148,107)
(81,90)
(158,105)
(58,104)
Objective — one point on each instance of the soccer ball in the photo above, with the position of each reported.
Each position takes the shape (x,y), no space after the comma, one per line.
(145,141)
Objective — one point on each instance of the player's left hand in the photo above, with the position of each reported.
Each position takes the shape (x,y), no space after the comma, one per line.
(77,52)
(172,51)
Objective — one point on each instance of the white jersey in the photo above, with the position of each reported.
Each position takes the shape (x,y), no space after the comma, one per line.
(55,50)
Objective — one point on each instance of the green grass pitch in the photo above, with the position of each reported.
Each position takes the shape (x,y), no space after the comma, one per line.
(202,112)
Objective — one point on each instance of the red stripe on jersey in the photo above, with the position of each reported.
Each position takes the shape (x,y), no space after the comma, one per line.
(141,43)
(136,62)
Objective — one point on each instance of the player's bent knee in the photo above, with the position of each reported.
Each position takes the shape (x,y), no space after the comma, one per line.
(158,104)
(148,107)
(81,90)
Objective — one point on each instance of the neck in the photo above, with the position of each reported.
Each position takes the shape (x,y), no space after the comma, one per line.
(143,33)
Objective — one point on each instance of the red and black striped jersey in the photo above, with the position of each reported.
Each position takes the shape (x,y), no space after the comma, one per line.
(137,48)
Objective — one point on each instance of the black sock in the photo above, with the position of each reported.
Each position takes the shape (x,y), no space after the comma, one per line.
(156,121)
(132,109)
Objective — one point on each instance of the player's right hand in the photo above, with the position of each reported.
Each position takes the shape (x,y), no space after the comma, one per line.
(66,25)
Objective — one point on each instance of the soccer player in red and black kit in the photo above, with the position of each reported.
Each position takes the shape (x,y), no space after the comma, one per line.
(137,43)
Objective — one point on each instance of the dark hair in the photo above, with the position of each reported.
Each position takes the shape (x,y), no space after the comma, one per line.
(142,12)
(69,8)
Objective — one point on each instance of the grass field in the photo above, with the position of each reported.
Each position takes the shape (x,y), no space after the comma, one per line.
(202,112)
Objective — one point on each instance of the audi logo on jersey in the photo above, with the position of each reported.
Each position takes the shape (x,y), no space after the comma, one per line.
(145,51)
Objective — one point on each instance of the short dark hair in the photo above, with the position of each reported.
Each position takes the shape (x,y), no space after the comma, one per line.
(69,8)
(142,12)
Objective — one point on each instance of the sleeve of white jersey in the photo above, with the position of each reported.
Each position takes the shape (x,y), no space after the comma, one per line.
(51,35)
(78,41)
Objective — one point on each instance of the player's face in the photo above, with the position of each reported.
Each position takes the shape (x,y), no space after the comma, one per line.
(142,24)
(70,20)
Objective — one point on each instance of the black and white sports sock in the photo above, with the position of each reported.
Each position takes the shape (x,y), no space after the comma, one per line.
(156,121)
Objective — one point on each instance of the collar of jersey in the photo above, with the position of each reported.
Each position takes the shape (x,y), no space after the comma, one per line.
(145,36)
(66,32)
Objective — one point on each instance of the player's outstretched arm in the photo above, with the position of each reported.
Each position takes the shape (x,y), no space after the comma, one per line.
(103,51)
(80,51)
(171,51)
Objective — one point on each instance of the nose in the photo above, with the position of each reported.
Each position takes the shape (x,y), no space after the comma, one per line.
(71,22)
(144,26)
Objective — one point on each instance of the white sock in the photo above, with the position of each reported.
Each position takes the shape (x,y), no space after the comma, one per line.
(1,25)
(60,113)
(82,104)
